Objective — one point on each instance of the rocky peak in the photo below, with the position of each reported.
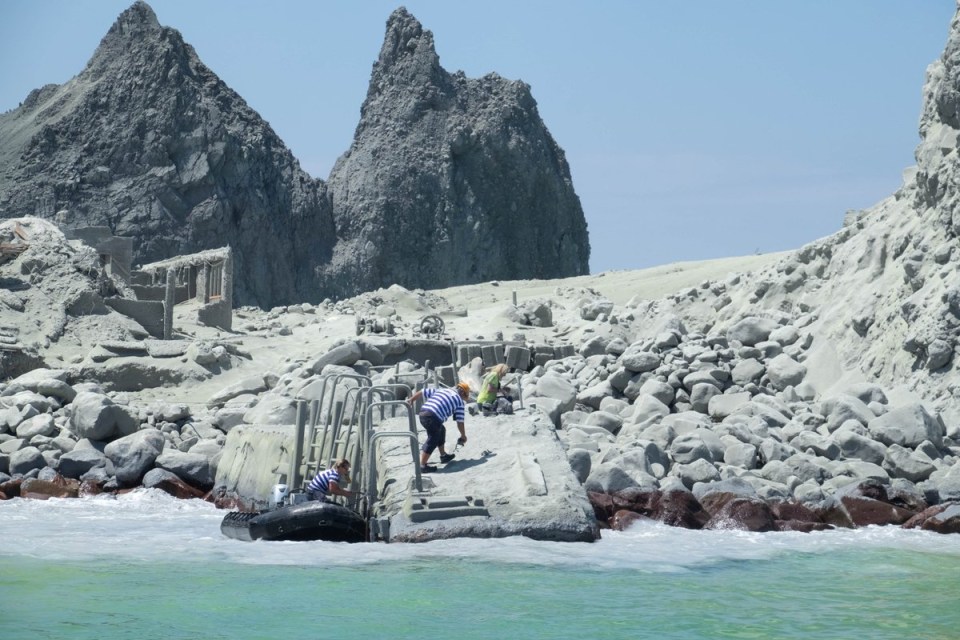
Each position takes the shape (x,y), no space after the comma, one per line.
(446,161)
(406,43)
(134,26)
(138,19)
(408,65)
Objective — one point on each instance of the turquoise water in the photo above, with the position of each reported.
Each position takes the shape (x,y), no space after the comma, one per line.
(146,566)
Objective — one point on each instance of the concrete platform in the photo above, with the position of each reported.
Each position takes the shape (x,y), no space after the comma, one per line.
(511,478)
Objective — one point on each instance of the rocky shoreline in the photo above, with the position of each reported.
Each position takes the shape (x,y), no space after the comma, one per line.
(717,431)
(810,390)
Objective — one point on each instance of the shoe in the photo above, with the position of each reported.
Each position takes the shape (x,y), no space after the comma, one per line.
(427,468)
(447,457)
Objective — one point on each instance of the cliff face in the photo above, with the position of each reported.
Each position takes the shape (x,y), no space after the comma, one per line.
(150,142)
(450,180)
(938,170)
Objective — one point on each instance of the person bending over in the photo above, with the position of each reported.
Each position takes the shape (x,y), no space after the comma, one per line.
(328,482)
(438,405)
(491,388)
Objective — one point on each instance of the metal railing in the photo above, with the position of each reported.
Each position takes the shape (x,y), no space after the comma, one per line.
(328,429)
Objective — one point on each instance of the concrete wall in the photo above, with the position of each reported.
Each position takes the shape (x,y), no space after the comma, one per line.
(119,248)
(421,350)
(148,313)
(216,314)
(159,292)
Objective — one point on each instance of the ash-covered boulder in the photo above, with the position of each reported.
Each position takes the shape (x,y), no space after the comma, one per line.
(450,180)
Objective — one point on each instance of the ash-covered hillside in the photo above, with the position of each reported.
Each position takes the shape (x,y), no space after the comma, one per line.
(880,298)
(150,142)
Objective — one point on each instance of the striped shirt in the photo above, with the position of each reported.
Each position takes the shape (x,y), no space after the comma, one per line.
(443,403)
(321,482)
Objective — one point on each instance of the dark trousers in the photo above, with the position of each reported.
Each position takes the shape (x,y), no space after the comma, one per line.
(436,432)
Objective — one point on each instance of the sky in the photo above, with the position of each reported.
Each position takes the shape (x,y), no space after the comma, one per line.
(694,129)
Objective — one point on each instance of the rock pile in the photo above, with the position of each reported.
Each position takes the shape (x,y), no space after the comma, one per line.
(729,420)
(719,430)
(63,440)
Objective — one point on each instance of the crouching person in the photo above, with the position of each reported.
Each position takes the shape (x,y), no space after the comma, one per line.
(328,482)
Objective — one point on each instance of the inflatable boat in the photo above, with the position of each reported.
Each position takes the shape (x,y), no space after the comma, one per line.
(314,520)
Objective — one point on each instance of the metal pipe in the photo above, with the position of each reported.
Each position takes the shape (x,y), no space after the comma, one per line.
(294,475)
(371,458)
(363,381)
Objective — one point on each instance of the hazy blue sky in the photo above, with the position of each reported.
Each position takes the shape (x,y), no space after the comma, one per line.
(694,128)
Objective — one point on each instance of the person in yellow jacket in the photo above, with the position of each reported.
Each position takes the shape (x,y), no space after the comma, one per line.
(491,387)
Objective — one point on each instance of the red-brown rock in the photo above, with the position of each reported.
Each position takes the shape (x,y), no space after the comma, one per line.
(867,511)
(940,518)
(793,511)
(832,512)
(640,500)
(745,514)
(602,503)
(681,509)
(623,519)
(90,488)
(715,501)
(800,525)
(223,500)
(178,488)
(45,489)
(11,488)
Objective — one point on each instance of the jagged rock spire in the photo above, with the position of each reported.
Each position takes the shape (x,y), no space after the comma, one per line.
(407,43)
(149,141)
(132,27)
(408,59)
(442,160)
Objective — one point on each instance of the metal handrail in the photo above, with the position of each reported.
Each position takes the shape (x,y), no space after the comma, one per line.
(361,379)
(332,419)
(314,417)
(371,438)
(363,398)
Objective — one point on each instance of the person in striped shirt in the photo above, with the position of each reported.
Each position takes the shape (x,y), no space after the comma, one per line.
(328,481)
(440,404)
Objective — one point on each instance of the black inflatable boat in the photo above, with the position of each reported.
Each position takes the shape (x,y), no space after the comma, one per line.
(314,520)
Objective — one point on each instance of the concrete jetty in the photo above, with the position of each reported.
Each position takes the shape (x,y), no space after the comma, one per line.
(511,478)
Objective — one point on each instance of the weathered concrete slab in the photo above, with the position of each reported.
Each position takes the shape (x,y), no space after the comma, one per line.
(254,456)
(512,478)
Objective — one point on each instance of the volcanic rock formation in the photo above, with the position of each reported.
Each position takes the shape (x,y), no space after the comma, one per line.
(150,142)
(460,173)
